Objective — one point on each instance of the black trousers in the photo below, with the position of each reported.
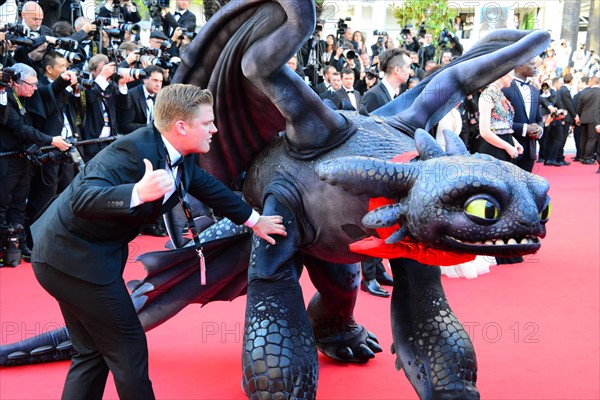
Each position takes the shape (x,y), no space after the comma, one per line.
(557,140)
(106,335)
(15,178)
(589,137)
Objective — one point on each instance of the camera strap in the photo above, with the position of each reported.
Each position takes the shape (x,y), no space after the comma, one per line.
(22,109)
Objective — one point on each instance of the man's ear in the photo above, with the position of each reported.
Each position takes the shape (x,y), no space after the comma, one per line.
(180,127)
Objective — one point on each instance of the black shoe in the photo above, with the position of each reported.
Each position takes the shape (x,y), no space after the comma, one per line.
(26,254)
(385,279)
(564,162)
(598,172)
(372,287)
(540,160)
(587,162)
(155,230)
(552,163)
(577,159)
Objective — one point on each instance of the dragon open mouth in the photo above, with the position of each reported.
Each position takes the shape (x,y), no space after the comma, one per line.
(500,246)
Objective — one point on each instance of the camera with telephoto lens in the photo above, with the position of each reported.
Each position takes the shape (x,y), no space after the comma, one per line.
(10,248)
(349,54)
(38,157)
(381,36)
(185,33)
(149,51)
(15,34)
(71,56)
(135,73)
(444,38)
(8,76)
(559,114)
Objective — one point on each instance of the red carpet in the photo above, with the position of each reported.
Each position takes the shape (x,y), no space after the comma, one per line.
(535,326)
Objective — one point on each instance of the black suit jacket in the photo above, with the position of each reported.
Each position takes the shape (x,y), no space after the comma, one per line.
(16,127)
(341,94)
(376,97)
(129,17)
(94,120)
(136,115)
(187,20)
(513,94)
(588,107)
(57,103)
(564,94)
(86,231)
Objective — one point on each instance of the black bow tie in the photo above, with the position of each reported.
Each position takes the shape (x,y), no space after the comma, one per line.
(178,13)
(520,82)
(150,98)
(349,91)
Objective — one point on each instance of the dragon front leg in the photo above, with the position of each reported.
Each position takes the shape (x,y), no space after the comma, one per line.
(430,343)
(279,357)
(331,312)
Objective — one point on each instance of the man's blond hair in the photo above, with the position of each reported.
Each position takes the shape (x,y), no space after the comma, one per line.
(179,102)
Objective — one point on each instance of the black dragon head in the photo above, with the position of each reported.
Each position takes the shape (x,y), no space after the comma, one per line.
(450,200)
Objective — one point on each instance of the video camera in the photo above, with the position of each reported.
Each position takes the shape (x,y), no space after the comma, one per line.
(444,38)
(8,76)
(10,249)
(15,34)
(381,37)
(186,33)
(38,157)
(404,34)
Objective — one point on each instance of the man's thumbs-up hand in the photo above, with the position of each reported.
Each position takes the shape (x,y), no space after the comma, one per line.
(154,184)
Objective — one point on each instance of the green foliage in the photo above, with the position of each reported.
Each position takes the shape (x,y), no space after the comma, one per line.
(436,14)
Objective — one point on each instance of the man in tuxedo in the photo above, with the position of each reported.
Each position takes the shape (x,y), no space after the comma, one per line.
(182,18)
(32,16)
(336,84)
(127,10)
(427,50)
(396,66)
(62,116)
(101,103)
(527,121)
(81,241)
(140,112)
(588,117)
(347,94)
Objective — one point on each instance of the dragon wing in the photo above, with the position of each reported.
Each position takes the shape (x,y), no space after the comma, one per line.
(246,119)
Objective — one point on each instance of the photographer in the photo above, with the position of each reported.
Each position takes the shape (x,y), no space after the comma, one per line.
(427,50)
(101,103)
(140,111)
(127,10)
(62,117)
(408,41)
(379,46)
(32,16)
(18,133)
(182,18)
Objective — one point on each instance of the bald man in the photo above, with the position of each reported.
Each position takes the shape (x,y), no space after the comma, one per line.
(32,16)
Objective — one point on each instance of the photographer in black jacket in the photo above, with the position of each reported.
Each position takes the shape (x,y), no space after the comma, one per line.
(17,134)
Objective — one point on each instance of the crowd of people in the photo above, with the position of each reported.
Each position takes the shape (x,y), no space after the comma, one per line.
(84,82)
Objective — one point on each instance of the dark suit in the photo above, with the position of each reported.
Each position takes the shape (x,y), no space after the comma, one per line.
(129,17)
(376,97)
(321,88)
(187,21)
(95,99)
(15,172)
(80,251)
(136,115)
(513,94)
(53,177)
(588,109)
(342,95)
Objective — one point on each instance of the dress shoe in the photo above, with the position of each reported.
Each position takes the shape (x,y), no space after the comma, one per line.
(587,162)
(155,230)
(564,162)
(540,160)
(385,279)
(576,159)
(598,172)
(372,287)
(26,254)
(552,163)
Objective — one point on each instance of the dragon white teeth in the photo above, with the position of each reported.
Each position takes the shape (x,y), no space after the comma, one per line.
(489,242)
(511,241)
(525,241)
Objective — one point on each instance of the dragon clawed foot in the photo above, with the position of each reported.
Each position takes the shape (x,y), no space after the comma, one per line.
(358,346)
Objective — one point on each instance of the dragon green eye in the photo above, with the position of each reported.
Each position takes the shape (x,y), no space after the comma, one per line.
(483,209)
(545,214)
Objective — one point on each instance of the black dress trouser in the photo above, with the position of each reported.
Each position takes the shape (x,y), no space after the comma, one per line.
(106,335)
